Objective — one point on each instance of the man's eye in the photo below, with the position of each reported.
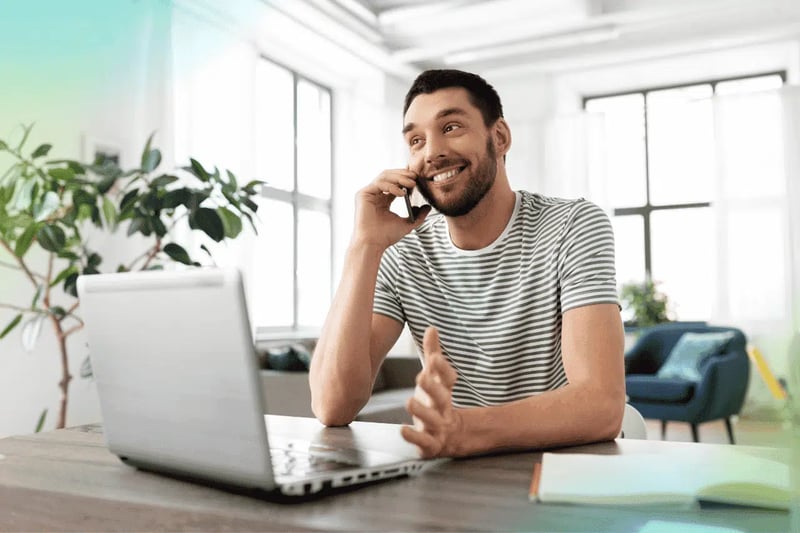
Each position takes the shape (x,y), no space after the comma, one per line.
(451,127)
(415,141)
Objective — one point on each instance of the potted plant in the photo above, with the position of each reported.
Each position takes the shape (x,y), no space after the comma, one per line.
(50,204)
(649,306)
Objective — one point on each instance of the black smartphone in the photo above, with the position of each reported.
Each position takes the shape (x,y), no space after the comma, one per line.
(409,208)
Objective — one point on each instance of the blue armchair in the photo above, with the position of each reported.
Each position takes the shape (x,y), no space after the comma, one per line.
(717,394)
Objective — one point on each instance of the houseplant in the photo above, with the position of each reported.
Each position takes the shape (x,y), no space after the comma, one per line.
(648,304)
(53,203)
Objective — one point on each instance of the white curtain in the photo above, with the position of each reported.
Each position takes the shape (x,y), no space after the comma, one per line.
(748,266)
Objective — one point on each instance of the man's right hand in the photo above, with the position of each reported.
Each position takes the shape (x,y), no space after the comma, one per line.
(375,224)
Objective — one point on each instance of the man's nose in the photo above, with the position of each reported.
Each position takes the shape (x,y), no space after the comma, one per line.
(434,149)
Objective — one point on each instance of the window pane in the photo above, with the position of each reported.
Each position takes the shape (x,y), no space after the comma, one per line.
(313,140)
(273,283)
(274,128)
(625,162)
(749,85)
(629,240)
(757,276)
(751,145)
(684,260)
(681,145)
(314,267)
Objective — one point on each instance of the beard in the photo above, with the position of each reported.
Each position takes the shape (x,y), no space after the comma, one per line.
(475,189)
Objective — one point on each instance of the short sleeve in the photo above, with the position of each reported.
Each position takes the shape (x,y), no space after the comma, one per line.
(387,298)
(587,273)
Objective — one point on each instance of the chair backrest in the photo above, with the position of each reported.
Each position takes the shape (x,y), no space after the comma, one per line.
(656,342)
(633,426)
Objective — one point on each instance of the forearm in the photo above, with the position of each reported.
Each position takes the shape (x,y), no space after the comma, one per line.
(341,371)
(571,415)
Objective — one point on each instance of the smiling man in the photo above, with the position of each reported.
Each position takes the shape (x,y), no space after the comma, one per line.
(510,295)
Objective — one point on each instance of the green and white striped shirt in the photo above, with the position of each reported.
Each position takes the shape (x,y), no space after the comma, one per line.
(498,309)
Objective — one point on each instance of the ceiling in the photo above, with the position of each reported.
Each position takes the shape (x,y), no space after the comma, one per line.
(481,35)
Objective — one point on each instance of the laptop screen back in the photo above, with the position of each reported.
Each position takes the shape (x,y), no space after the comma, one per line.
(176,372)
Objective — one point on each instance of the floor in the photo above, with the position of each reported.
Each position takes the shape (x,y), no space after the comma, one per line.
(745,431)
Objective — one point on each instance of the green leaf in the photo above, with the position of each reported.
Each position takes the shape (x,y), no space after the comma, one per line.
(11,325)
(251,189)
(23,195)
(51,237)
(105,184)
(158,227)
(37,295)
(231,222)
(63,275)
(177,253)
(25,240)
(138,225)
(151,160)
(175,198)
(146,151)
(40,423)
(50,202)
(71,284)
(62,174)
(231,178)
(58,311)
(41,151)
(94,260)
(128,199)
(3,145)
(251,205)
(110,213)
(208,221)
(198,170)
(162,181)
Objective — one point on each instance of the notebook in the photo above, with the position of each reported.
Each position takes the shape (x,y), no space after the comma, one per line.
(180,393)
(728,477)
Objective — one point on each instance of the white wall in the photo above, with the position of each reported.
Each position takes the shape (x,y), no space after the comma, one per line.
(79,70)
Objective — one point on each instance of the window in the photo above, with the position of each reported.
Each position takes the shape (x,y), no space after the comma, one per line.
(293,154)
(663,157)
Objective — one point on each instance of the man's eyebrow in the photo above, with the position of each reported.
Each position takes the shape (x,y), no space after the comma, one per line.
(443,113)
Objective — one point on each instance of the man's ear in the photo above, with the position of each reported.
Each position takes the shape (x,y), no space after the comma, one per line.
(501,137)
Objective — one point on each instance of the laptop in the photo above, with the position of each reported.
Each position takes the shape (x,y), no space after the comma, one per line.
(180,394)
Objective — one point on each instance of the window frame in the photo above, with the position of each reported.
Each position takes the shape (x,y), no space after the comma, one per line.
(300,200)
(646,210)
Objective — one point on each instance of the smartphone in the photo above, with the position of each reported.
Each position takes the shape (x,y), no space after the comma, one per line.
(411,216)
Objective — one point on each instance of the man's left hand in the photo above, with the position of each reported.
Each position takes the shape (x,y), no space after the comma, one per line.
(437,432)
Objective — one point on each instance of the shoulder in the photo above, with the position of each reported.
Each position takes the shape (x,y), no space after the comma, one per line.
(559,210)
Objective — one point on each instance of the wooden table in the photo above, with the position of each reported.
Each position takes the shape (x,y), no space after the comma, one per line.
(67,480)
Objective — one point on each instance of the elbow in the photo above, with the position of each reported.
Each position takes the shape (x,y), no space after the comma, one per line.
(331,415)
(609,412)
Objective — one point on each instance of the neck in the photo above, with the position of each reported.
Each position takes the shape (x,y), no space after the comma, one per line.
(483,225)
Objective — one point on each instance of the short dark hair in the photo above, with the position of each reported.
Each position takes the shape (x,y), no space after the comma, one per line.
(481,94)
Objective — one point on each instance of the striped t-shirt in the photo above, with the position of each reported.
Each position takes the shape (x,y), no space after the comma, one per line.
(498,309)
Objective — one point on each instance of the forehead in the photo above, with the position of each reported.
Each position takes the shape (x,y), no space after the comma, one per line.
(427,107)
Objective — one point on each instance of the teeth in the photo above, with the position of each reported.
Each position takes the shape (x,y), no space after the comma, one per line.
(445,175)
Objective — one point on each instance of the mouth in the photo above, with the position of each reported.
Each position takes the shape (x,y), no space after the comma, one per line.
(447,174)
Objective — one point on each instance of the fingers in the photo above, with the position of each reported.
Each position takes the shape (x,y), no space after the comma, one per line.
(439,393)
(435,362)
(394,181)
(427,445)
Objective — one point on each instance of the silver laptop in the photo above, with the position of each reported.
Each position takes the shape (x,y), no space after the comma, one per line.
(177,376)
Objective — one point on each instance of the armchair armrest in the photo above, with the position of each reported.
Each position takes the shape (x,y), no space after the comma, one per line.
(723,386)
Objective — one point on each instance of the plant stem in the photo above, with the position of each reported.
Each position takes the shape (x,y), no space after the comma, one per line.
(61,338)
(23,309)
(153,252)
(22,264)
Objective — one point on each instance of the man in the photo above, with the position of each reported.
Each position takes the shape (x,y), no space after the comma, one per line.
(510,295)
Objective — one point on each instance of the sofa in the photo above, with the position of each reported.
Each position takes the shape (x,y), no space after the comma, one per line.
(284,383)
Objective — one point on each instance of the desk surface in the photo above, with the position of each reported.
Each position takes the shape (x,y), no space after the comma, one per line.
(68,480)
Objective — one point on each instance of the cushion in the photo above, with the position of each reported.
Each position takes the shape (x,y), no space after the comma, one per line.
(690,351)
(646,387)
